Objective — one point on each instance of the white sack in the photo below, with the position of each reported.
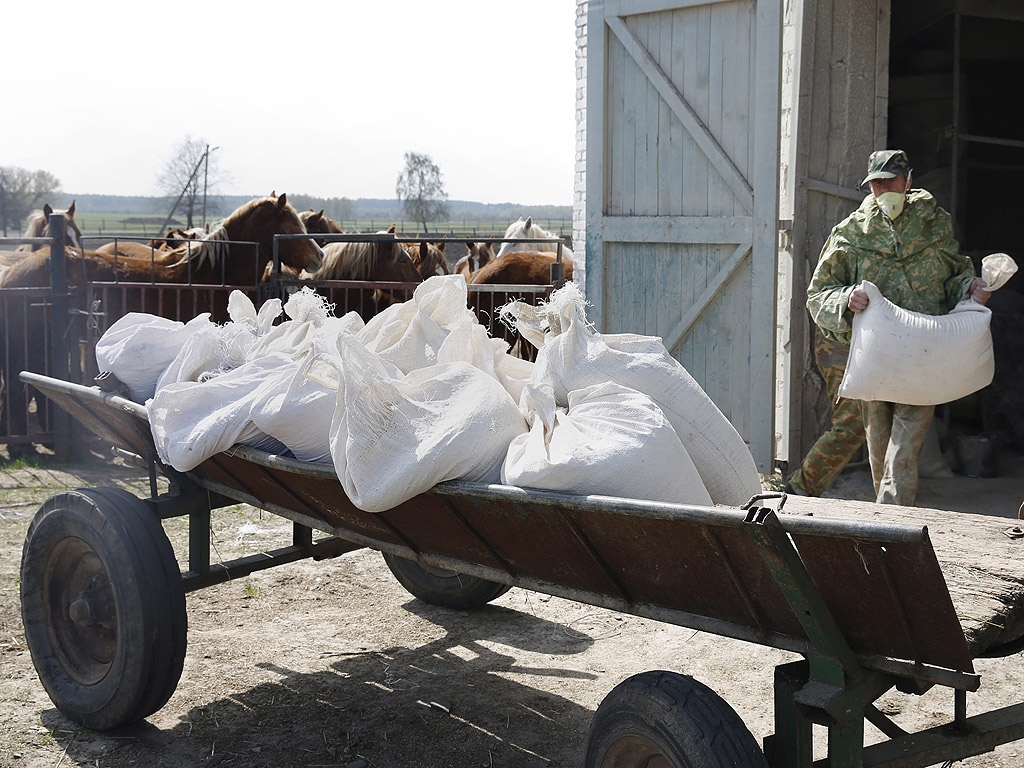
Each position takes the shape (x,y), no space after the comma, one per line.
(899,356)
(411,333)
(574,356)
(296,410)
(612,441)
(392,439)
(198,358)
(138,347)
(996,269)
(192,421)
(309,319)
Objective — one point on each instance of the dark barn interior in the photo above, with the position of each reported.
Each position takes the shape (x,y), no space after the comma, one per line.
(956,79)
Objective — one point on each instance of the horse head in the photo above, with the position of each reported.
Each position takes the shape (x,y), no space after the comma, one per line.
(428,258)
(318,224)
(260,219)
(39,226)
(524,228)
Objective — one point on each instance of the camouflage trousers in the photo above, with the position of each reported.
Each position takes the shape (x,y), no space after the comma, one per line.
(895,434)
(834,449)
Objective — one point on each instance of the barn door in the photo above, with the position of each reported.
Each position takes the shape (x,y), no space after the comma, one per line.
(682,189)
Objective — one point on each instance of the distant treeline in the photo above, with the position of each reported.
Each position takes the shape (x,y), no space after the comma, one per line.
(337,208)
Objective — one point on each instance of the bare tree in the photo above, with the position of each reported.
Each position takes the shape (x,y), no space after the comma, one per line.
(421,189)
(191,176)
(22,191)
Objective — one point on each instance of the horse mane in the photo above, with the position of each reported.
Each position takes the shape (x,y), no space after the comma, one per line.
(347,261)
(36,224)
(39,226)
(527,228)
(210,248)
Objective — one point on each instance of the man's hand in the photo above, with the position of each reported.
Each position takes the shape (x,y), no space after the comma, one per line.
(858,300)
(977,291)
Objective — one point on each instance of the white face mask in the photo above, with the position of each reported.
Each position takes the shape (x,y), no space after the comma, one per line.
(891,203)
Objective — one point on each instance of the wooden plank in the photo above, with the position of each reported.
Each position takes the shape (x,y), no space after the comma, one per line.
(647,121)
(881,117)
(632,78)
(825,187)
(633,7)
(677,229)
(686,114)
(666,152)
(765,172)
(596,170)
(711,290)
(690,206)
(983,568)
(700,99)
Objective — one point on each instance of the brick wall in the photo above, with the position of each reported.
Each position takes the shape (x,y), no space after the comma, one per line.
(579,200)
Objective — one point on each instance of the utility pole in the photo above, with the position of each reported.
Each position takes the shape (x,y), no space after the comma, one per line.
(206,170)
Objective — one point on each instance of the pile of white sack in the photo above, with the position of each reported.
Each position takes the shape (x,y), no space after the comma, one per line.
(422,394)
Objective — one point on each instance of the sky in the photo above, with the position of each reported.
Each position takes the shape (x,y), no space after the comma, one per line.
(311,97)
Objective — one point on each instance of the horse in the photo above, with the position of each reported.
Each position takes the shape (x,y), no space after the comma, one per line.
(208,261)
(516,268)
(433,263)
(318,224)
(38,225)
(520,268)
(480,254)
(526,228)
(373,261)
(204,261)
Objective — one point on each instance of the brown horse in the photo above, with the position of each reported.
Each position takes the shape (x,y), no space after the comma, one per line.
(212,261)
(520,268)
(480,254)
(204,261)
(515,268)
(39,226)
(318,224)
(433,263)
(373,261)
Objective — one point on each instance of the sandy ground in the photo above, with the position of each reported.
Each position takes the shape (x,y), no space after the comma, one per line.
(334,664)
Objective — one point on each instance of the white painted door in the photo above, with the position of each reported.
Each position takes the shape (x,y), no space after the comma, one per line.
(682,189)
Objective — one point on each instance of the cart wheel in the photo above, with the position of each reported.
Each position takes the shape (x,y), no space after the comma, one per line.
(443,587)
(103,607)
(667,720)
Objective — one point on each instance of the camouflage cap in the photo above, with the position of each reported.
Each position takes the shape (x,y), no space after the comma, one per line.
(887,164)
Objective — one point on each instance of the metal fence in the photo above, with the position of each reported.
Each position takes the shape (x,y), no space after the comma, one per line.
(81,314)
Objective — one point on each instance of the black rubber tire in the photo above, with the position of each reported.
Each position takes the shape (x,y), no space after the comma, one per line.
(102,554)
(667,720)
(447,588)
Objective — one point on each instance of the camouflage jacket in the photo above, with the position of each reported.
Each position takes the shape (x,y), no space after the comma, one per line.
(915,262)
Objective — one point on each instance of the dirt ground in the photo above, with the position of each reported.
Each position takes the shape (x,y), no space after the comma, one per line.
(334,664)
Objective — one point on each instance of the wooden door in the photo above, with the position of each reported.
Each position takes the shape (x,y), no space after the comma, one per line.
(682,190)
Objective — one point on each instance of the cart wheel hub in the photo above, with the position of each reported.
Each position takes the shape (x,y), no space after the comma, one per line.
(80,612)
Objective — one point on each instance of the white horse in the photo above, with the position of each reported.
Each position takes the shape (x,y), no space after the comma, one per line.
(524,229)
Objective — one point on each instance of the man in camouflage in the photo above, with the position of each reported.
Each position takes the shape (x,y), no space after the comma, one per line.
(901,241)
(845,435)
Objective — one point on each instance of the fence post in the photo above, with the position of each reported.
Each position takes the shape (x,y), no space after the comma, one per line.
(59,367)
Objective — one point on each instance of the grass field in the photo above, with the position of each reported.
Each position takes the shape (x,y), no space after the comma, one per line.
(148,225)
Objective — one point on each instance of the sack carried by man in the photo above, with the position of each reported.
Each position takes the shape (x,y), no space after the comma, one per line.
(900,356)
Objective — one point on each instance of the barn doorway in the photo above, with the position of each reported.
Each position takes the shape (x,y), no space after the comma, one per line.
(956,74)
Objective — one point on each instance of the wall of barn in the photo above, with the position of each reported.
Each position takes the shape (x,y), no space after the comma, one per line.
(839,114)
(579,200)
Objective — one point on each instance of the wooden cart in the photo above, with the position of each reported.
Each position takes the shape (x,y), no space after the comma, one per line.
(865,603)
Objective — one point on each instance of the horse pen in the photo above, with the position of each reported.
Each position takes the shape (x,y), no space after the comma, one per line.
(85,305)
